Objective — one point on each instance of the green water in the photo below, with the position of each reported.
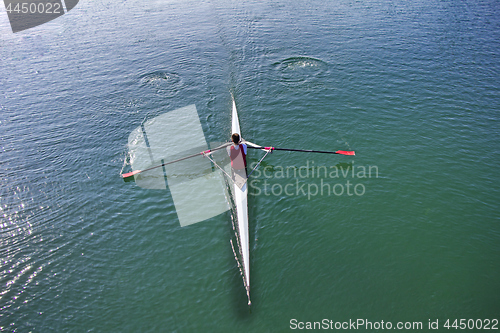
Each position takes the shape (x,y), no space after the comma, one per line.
(413,88)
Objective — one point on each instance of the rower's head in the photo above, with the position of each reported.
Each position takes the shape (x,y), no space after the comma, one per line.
(235,138)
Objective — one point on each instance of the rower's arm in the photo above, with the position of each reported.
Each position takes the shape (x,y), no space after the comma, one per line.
(251,144)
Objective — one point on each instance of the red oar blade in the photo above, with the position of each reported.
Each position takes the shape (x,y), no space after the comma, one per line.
(130,174)
(343,152)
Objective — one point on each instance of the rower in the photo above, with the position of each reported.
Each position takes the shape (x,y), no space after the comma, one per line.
(238,153)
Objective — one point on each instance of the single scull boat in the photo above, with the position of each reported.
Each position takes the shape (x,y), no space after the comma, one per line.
(239,185)
(240,200)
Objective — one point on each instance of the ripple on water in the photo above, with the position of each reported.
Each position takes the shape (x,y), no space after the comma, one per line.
(299,70)
(164,83)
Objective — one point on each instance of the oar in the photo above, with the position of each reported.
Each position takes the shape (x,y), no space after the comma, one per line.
(341,152)
(133,173)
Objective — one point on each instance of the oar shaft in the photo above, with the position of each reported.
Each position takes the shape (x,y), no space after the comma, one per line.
(126,175)
(341,152)
(174,161)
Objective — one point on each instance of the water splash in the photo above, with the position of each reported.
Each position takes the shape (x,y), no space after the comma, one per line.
(299,70)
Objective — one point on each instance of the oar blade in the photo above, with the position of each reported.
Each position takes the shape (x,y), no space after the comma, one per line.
(343,152)
(130,174)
